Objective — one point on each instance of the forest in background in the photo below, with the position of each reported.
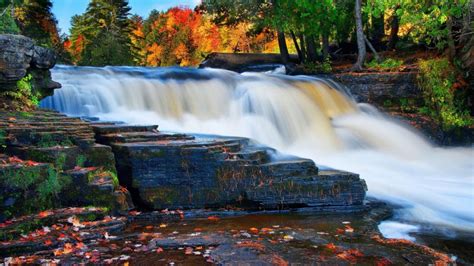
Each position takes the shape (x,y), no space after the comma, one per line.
(321,33)
(107,34)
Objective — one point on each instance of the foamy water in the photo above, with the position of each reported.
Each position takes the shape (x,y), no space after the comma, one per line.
(304,116)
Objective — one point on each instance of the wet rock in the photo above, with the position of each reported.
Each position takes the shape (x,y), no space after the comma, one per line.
(43,58)
(19,188)
(178,171)
(85,170)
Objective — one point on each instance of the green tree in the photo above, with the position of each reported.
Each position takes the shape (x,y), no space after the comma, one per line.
(7,22)
(102,31)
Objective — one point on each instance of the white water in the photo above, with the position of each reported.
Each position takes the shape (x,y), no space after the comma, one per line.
(303,116)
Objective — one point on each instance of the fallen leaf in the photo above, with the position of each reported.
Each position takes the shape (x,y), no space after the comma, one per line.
(213,218)
(253,230)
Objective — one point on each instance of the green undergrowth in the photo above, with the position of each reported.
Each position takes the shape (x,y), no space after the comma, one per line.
(443,97)
(318,67)
(388,64)
(24,94)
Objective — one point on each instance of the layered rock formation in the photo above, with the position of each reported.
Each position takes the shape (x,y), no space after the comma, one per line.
(244,61)
(18,56)
(180,171)
(376,88)
(54,161)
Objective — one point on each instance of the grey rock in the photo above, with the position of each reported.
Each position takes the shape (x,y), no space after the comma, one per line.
(20,56)
(43,58)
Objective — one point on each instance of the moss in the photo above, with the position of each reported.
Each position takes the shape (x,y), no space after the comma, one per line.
(47,141)
(32,189)
(3,139)
(98,156)
(24,95)
(81,160)
(389,64)
(101,173)
(162,196)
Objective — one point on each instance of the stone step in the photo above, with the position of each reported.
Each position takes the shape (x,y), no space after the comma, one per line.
(289,168)
(250,156)
(109,129)
(128,137)
(54,138)
(45,123)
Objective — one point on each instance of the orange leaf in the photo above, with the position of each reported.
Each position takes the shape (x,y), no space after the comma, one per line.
(44,214)
(213,218)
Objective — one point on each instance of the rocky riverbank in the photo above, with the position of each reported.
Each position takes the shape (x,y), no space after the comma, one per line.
(87,235)
(229,200)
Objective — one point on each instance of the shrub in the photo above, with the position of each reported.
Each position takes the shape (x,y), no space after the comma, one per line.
(388,64)
(444,103)
(7,23)
(24,94)
(319,67)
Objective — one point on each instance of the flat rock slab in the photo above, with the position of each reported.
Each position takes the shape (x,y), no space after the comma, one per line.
(184,172)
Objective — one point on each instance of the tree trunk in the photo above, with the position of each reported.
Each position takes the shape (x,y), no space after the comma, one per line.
(285,57)
(311,48)
(303,46)
(451,45)
(325,39)
(13,9)
(394,27)
(360,38)
(298,50)
(376,55)
(378,30)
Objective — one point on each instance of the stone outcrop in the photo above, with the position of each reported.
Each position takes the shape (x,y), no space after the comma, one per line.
(376,88)
(54,151)
(19,56)
(180,171)
(241,62)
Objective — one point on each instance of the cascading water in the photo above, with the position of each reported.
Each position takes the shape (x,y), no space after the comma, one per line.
(301,115)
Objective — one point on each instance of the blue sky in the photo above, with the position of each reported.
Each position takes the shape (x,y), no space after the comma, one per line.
(65,9)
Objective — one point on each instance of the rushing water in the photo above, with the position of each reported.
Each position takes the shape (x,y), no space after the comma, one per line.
(304,116)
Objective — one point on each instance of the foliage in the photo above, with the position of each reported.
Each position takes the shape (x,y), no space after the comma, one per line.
(389,64)
(81,160)
(47,141)
(3,137)
(437,79)
(100,36)
(7,23)
(37,21)
(24,93)
(316,67)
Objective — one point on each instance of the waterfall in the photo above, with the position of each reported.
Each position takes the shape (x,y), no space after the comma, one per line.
(301,115)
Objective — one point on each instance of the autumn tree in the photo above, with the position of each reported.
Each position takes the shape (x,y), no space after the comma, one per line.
(37,21)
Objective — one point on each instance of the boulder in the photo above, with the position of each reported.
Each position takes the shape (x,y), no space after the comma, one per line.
(20,56)
(16,52)
(241,62)
(43,58)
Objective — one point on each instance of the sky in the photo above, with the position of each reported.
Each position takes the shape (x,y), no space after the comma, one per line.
(65,9)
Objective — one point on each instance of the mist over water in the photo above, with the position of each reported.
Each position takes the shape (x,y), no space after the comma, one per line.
(304,116)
